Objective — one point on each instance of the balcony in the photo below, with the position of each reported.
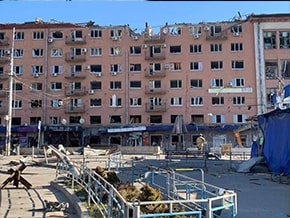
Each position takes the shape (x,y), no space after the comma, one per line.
(75,92)
(4,76)
(75,75)
(75,58)
(4,42)
(155,108)
(153,38)
(154,91)
(75,40)
(155,74)
(75,108)
(154,56)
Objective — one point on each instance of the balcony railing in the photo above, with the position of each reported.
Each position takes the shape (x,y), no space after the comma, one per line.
(155,74)
(217,36)
(73,75)
(155,108)
(76,92)
(75,109)
(4,42)
(154,56)
(75,58)
(75,40)
(154,91)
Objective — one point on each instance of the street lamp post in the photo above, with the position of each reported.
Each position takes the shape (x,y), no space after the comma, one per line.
(9,116)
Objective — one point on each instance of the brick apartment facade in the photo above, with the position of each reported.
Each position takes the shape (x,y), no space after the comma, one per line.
(107,85)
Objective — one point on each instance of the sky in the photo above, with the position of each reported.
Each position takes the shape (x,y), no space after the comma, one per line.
(134,12)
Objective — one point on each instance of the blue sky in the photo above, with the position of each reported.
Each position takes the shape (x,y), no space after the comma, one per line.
(135,12)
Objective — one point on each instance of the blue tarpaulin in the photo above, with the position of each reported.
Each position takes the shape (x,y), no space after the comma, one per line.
(275,126)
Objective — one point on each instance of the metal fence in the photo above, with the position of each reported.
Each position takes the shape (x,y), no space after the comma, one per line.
(193,198)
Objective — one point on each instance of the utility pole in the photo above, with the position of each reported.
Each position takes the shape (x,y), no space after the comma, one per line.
(9,116)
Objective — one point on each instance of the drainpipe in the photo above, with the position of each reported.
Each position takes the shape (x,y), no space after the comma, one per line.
(127,89)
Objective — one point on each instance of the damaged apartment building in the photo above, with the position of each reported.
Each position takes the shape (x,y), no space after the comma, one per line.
(94,85)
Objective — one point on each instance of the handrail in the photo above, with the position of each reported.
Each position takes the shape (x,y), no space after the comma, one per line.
(177,189)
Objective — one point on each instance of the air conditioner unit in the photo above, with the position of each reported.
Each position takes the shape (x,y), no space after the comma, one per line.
(88,67)
(114,73)
(115,38)
(50,39)
(91,91)
(168,66)
(60,103)
(35,75)
(145,46)
(84,50)
(7,52)
(135,37)
(55,74)
(196,36)
(164,46)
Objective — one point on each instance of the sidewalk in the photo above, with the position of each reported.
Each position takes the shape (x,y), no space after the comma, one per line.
(22,202)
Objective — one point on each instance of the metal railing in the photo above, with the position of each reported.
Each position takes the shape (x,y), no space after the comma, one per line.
(183,195)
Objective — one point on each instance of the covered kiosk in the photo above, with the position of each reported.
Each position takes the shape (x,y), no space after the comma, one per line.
(275,127)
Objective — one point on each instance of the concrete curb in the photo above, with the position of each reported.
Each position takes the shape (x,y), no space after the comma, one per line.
(74,201)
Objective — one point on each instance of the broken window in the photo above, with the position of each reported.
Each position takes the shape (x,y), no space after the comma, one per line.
(2,36)
(285,69)
(217,83)
(271,69)
(96,85)
(115,51)
(135,119)
(18,53)
(56,69)
(215,30)
(175,31)
(36,70)
(155,118)
(56,52)
(116,33)
(237,82)
(239,118)
(237,65)
(135,50)
(115,102)
(218,100)
(135,67)
(135,84)
(196,100)
(19,36)
(284,39)
(175,49)
(95,102)
(269,40)
(176,101)
(270,92)
(196,83)
(135,102)
(115,85)
(37,52)
(116,68)
(36,86)
(176,66)
(76,34)
(18,70)
(95,120)
(236,29)
(16,104)
(154,84)
(216,65)
(115,119)
(195,30)
(35,103)
(34,120)
(154,67)
(239,100)
(57,35)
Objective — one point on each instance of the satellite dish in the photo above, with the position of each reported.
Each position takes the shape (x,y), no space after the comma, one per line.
(63,121)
